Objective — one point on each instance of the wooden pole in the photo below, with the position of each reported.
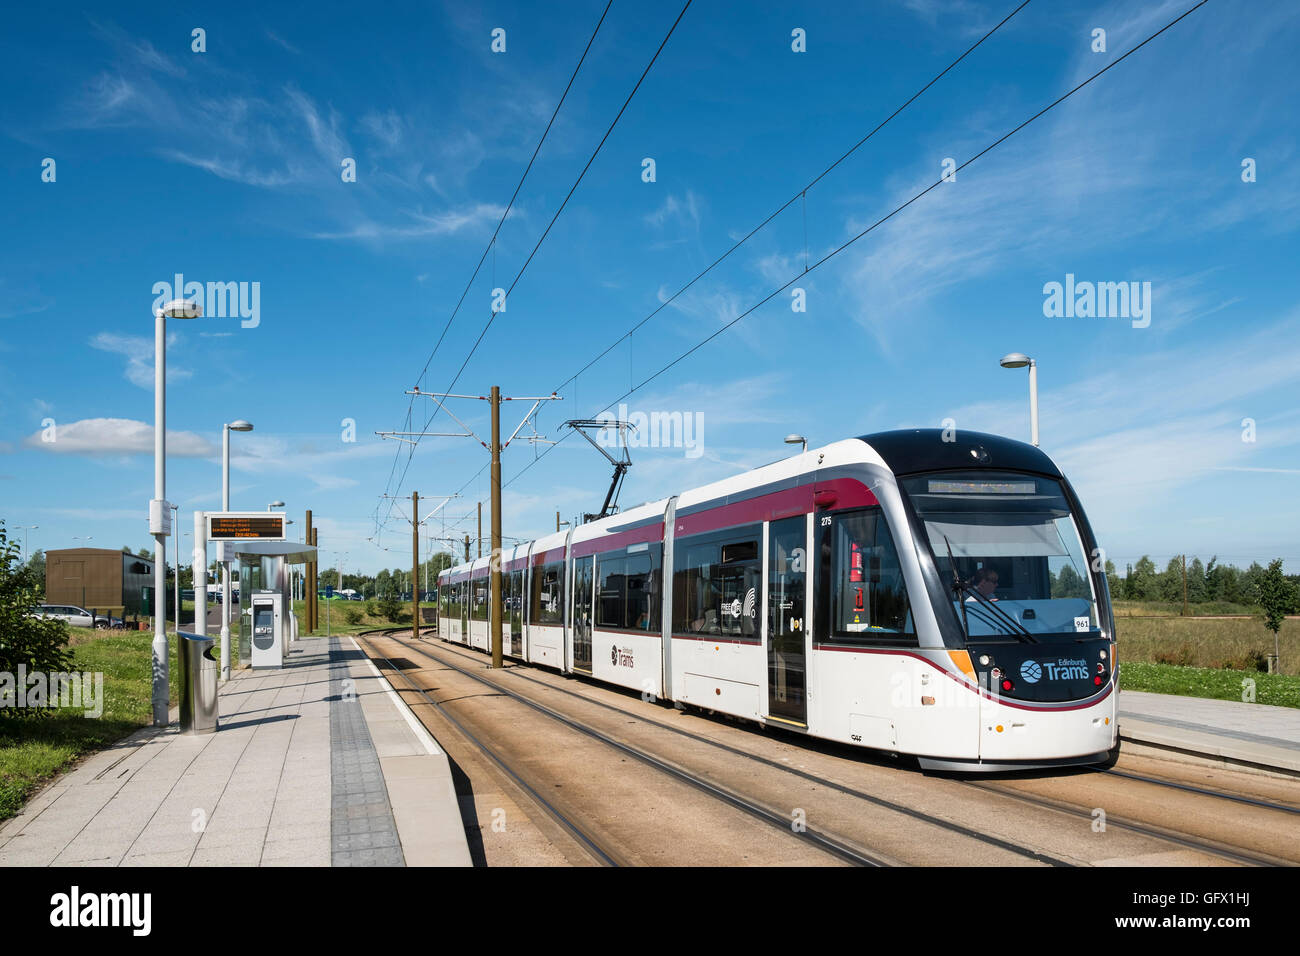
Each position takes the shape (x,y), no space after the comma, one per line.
(497,660)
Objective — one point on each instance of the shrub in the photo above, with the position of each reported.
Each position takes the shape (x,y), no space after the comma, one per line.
(1182,656)
(352,615)
(390,607)
(371,608)
(38,644)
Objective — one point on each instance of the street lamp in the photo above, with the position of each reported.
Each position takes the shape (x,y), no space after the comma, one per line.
(797,440)
(158,517)
(24,529)
(1020,360)
(274,504)
(239,425)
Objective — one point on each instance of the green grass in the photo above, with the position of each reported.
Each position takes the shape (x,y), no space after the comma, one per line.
(337,617)
(1282,690)
(34,748)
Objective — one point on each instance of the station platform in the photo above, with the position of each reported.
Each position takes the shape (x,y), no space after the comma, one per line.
(318,763)
(1232,733)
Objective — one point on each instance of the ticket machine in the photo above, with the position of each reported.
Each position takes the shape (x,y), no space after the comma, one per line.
(269,636)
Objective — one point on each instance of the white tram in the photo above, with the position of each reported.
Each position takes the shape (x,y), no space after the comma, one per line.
(897,591)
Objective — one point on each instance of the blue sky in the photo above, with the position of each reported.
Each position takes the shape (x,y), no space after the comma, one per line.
(224,166)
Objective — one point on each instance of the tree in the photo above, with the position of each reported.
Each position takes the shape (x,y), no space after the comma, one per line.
(1273,591)
(1171,580)
(36,564)
(1143,582)
(1195,582)
(1113,582)
(36,643)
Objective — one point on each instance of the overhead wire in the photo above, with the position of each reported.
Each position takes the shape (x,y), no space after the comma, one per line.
(851,241)
(549,226)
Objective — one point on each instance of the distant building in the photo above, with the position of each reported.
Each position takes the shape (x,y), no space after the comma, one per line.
(97,579)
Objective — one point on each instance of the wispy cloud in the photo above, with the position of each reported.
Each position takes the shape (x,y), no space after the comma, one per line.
(447,223)
(234,169)
(684,212)
(139,357)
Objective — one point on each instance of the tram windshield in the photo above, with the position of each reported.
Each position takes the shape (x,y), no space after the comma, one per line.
(1008,548)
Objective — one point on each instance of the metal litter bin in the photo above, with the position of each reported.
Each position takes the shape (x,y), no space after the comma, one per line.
(198,675)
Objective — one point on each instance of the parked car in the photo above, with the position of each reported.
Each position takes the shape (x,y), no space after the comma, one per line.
(78,616)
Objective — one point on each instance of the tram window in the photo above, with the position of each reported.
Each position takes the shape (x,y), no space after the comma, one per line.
(715,590)
(479,611)
(609,606)
(869,598)
(642,608)
(548,594)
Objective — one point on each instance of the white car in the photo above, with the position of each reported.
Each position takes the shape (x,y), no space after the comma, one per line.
(76,616)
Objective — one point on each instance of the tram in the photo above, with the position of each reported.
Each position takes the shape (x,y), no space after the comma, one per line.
(918,592)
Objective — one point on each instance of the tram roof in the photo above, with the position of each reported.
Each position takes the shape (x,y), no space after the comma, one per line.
(925,449)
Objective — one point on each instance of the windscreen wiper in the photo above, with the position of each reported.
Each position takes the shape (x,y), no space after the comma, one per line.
(960,586)
(1002,615)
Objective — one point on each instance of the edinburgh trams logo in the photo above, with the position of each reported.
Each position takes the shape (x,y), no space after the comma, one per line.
(620,656)
(1031,672)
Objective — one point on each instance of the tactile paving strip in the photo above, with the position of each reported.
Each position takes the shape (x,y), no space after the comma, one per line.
(362,829)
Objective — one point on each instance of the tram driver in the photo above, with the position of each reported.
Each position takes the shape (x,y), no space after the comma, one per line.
(986,582)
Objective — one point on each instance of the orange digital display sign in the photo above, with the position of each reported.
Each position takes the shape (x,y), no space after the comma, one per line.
(241,527)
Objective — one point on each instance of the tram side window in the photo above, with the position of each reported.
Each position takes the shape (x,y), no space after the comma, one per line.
(548,594)
(610,599)
(642,608)
(479,589)
(715,590)
(868,596)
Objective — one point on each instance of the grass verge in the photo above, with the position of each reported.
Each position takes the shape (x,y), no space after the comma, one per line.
(1282,690)
(33,748)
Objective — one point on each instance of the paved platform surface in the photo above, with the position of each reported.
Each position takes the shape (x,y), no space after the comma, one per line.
(315,764)
(1255,734)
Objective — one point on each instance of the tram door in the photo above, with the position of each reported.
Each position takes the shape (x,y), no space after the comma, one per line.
(465,598)
(786,573)
(583,574)
(515,611)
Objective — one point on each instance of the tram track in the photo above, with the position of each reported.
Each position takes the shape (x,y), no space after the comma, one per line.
(1028,853)
(827,843)
(1179,838)
(1081,811)
(1203,791)
(952,826)
(599,854)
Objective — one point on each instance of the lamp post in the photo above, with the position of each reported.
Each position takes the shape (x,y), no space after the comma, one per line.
(27,551)
(797,440)
(236,426)
(158,517)
(1020,360)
